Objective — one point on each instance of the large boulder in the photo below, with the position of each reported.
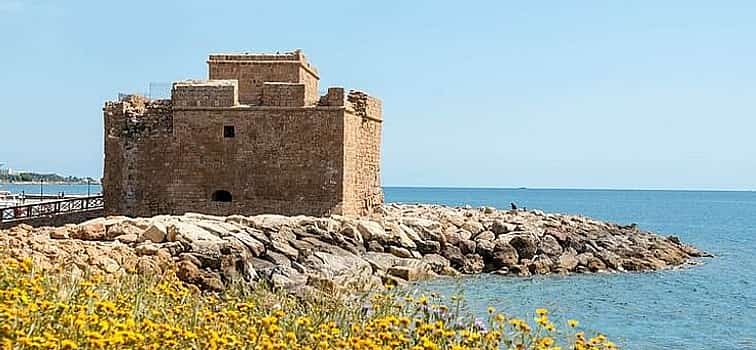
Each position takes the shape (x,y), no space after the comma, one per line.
(399,251)
(500,227)
(93,230)
(525,245)
(439,264)
(454,235)
(541,265)
(454,255)
(156,233)
(428,247)
(372,230)
(473,263)
(504,255)
(473,226)
(549,246)
(568,261)
(426,229)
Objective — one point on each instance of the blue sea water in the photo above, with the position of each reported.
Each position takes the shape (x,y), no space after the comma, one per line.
(51,188)
(709,306)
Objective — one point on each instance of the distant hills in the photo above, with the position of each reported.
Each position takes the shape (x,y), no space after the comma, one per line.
(48,178)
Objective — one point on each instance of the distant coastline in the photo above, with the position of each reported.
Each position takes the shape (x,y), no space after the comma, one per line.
(84,182)
(32,178)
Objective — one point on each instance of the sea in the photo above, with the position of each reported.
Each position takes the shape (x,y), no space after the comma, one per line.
(707,306)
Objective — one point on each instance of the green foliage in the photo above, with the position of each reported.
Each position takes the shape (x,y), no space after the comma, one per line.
(49,178)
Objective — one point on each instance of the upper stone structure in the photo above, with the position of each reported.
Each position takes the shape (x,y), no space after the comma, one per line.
(264,77)
(254,138)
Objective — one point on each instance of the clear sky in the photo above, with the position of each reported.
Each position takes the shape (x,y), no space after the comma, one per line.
(589,94)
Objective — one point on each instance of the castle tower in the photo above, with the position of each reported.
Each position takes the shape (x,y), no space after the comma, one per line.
(254,138)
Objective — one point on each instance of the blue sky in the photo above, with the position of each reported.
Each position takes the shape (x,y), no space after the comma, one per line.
(587,94)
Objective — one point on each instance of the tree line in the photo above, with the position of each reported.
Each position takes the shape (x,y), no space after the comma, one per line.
(34,177)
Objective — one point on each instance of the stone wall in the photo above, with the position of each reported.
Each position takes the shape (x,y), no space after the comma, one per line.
(362,149)
(283,94)
(281,160)
(139,155)
(205,93)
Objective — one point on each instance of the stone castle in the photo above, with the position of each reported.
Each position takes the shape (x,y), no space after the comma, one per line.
(257,137)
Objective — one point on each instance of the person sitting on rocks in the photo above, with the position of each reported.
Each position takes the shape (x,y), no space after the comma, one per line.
(514,206)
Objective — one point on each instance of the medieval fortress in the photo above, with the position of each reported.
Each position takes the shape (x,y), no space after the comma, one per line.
(256,137)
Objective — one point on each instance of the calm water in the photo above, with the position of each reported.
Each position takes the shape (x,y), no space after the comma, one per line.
(50,188)
(712,306)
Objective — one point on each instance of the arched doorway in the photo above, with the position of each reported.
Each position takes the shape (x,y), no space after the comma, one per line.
(222,196)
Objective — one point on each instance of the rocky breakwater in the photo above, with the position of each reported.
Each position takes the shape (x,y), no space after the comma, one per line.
(401,243)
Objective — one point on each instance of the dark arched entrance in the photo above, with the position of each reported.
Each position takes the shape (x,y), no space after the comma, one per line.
(222,196)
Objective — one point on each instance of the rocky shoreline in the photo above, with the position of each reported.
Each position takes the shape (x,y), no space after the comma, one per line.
(399,244)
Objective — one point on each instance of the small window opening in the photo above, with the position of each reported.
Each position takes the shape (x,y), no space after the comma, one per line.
(222,196)
(229,131)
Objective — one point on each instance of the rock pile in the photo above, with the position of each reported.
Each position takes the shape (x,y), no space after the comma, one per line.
(401,243)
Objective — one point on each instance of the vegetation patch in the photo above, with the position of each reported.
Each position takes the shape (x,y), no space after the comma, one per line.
(54,309)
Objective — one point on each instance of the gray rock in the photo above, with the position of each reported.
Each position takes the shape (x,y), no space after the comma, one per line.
(473,226)
(455,256)
(485,248)
(454,236)
(473,263)
(371,230)
(568,261)
(59,233)
(500,227)
(550,246)
(454,219)
(276,258)
(428,247)
(122,228)
(504,255)
(438,264)
(525,245)
(426,229)
(347,272)
(374,246)
(255,247)
(284,248)
(128,238)
(467,246)
(541,265)
(147,248)
(156,233)
(286,277)
(485,236)
(400,252)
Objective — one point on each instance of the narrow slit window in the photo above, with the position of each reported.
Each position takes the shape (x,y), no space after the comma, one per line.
(229,131)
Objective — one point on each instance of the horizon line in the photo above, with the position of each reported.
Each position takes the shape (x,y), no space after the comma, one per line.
(571,188)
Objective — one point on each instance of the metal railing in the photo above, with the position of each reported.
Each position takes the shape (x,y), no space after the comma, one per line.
(51,208)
